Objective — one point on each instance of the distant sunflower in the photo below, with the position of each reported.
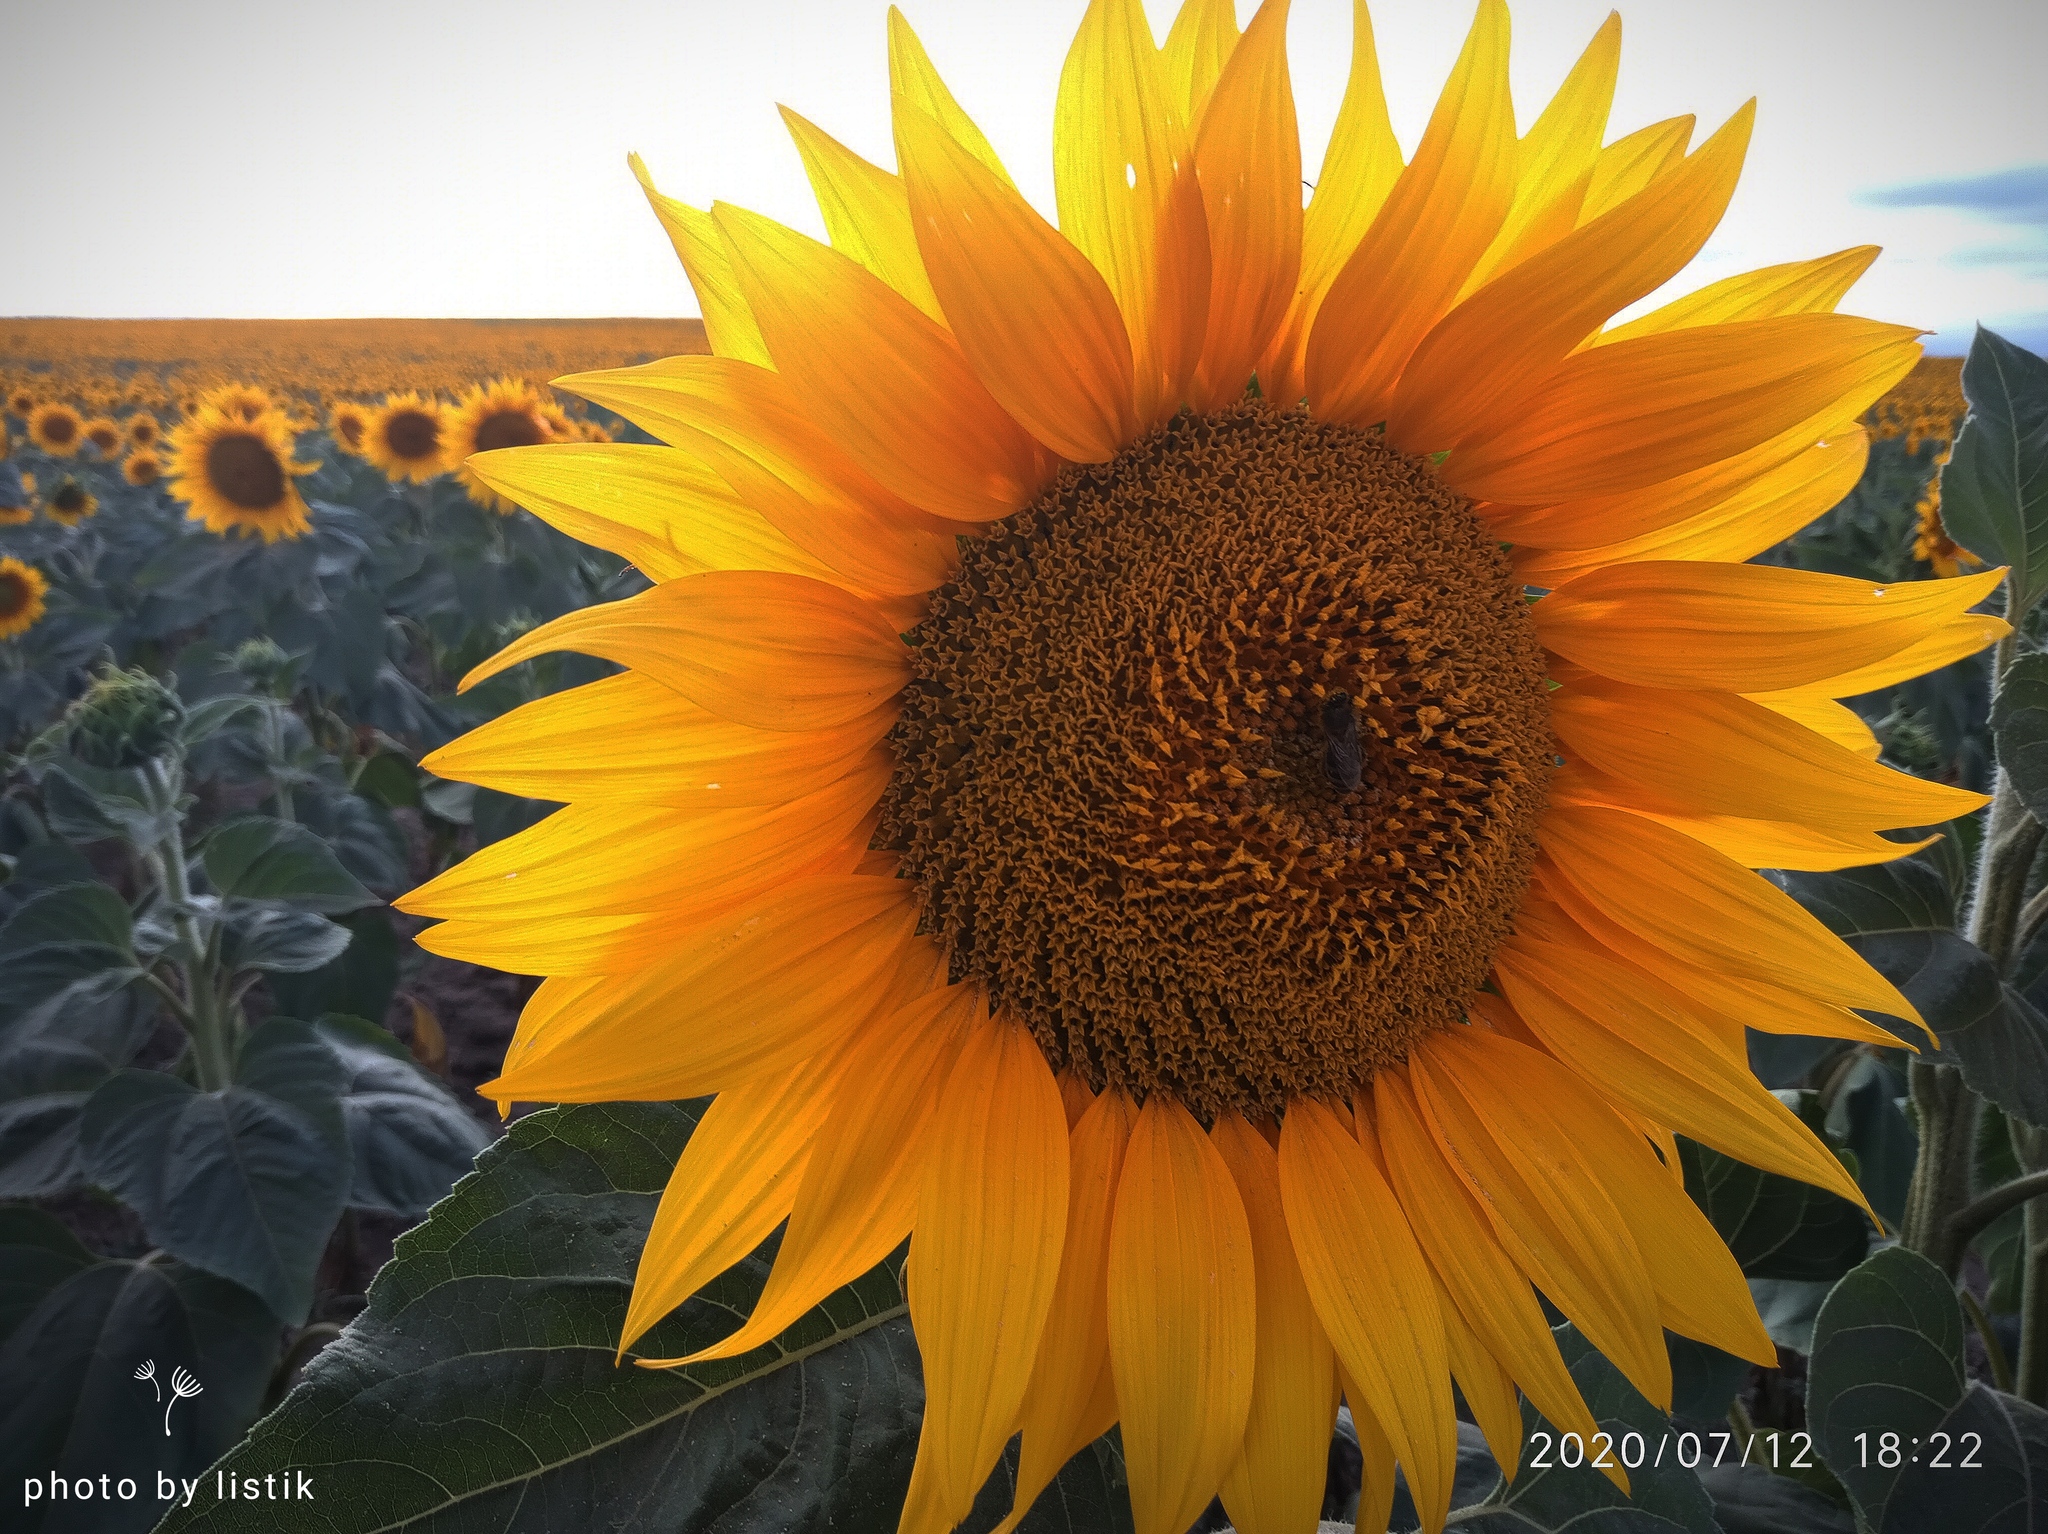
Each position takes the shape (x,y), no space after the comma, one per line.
(1131,832)
(104,433)
(406,438)
(235,474)
(21,399)
(559,424)
(144,430)
(21,597)
(248,401)
(71,503)
(17,498)
(507,412)
(349,424)
(56,429)
(142,467)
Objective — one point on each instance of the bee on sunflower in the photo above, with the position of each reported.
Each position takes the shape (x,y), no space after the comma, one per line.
(71,503)
(506,412)
(56,428)
(236,474)
(407,438)
(22,588)
(1091,794)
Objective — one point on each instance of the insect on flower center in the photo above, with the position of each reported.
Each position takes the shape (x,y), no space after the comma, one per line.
(245,472)
(1223,760)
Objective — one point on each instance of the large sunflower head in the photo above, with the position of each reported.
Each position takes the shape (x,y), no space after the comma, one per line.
(142,467)
(144,430)
(21,597)
(56,429)
(407,437)
(349,423)
(104,434)
(1206,763)
(236,474)
(506,412)
(71,503)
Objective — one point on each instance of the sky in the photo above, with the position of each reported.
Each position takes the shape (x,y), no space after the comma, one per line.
(466,158)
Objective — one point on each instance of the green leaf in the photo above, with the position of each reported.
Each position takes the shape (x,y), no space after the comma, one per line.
(408,1137)
(246,1182)
(449,801)
(70,1403)
(1663,1496)
(1994,487)
(207,718)
(90,804)
(1866,1118)
(1888,1360)
(59,938)
(391,780)
(37,1253)
(2019,721)
(1776,1227)
(280,939)
(1750,1500)
(1899,917)
(359,981)
(478,1390)
(258,858)
(51,1062)
(363,835)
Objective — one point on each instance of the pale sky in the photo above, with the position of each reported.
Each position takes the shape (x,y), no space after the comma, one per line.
(238,158)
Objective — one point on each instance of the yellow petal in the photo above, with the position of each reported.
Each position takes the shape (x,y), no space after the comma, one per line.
(1691,902)
(913,77)
(1198,45)
(1783,844)
(992,1214)
(733,1184)
(1376,1474)
(1373,1293)
(1796,287)
(1275,1485)
(1631,163)
(764,648)
(1550,1211)
(1248,160)
(887,384)
(569,747)
(781,980)
(1436,223)
(1838,722)
(1182,1317)
(1122,174)
(1490,1292)
(858,1197)
(1487,1388)
(866,212)
(1621,417)
(1071,1401)
(1959,639)
(1033,317)
(1713,753)
(1770,508)
(1742,628)
(1479,368)
(728,323)
(1359,168)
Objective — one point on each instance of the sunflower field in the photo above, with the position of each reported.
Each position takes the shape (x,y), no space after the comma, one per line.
(1234,863)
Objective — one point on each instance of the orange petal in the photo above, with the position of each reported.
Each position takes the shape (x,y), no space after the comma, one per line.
(1479,368)
(1275,1485)
(775,651)
(1033,317)
(992,1214)
(866,212)
(1376,1488)
(1436,223)
(1796,287)
(1631,163)
(858,1197)
(1198,45)
(1691,902)
(728,322)
(1373,1293)
(1743,628)
(1122,172)
(1838,722)
(733,1184)
(887,384)
(1182,1317)
(1071,1401)
(1248,161)
(1620,417)
(1486,1386)
(1959,639)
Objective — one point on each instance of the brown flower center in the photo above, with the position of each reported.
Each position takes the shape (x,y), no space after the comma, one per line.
(412,434)
(245,473)
(1127,765)
(508,428)
(13,594)
(59,429)
(105,438)
(350,429)
(69,498)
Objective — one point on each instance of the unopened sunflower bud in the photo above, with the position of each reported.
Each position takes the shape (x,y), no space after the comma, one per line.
(125,719)
(263,663)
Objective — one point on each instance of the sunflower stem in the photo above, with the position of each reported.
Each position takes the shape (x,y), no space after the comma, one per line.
(204,1019)
(2030,1146)
(1994,1350)
(1946,1111)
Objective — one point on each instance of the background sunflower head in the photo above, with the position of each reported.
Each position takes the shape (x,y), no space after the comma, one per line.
(71,503)
(21,399)
(246,400)
(17,496)
(142,467)
(349,424)
(21,596)
(144,430)
(407,437)
(506,412)
(56,428)
(236,473)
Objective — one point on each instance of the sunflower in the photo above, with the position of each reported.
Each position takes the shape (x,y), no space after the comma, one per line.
(71,503)
(1205,764)
(104,433)
(21,399)
(144,430)
(349,424)
(142,467)
(506,412)
(56,429)
(251,402)
(21,597)
(17,497)
(406,437)
(235,474)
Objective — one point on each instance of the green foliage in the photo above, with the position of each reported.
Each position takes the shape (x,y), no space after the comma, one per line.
(1777,1228)
(1994,488)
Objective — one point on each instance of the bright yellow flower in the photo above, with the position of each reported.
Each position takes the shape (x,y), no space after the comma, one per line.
(1129,832)
(104,433)
(144,430)
(235,473)
(21,399)
(56,429)
(21,597)
(349,423)
(71,503)
(506,412)
(247,401)
(407,438)
(142,467)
